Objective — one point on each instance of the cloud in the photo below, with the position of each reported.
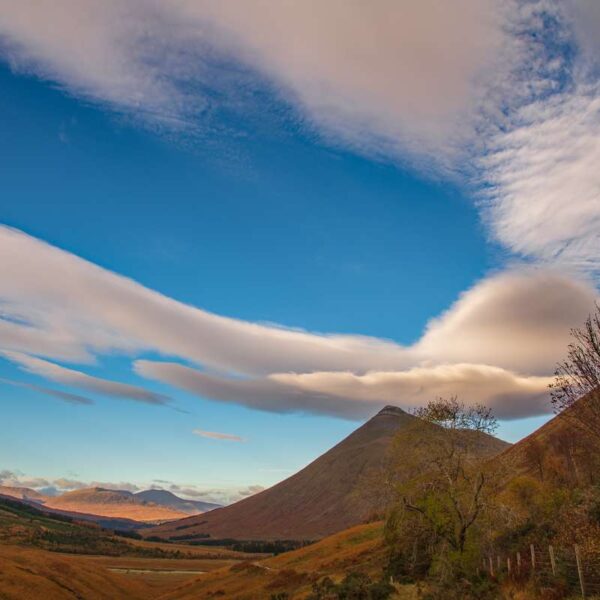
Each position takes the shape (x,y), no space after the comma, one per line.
(354,396)
(511,87)
(517,320)
(214,435)
(509,395)
(545,200)
(55,372)
(373,74)
(64,396)
(497,343)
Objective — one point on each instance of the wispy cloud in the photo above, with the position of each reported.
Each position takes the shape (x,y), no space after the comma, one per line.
(214,435)
(61,395)
(509,86)
(75,378)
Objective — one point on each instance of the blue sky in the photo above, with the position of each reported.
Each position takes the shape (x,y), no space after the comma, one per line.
(267,208)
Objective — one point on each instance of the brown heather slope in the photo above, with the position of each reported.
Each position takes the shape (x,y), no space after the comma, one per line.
(112,503)
(360,548)
(30,574)
(321,499)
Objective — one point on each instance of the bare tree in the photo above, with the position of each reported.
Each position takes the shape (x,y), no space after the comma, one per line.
(578,377)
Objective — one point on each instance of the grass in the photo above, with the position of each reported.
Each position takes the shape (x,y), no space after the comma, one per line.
(360,548)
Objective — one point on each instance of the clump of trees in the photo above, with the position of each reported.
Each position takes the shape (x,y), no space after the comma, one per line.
(443,494)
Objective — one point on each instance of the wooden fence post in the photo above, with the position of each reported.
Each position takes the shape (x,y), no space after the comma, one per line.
(508,565)
(552,560)
(580,571)
(491,566)
(532,558)
(518,563)
(498,564)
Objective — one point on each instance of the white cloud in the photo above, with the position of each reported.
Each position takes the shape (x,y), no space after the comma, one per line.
(78,379)
(214,435)
(438,84)
(383,73)
(496,344)
(509,395)
(545,199)
(516,320)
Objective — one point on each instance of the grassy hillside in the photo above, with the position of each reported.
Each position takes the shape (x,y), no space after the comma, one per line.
(360,548)
(27,526)
(30,574)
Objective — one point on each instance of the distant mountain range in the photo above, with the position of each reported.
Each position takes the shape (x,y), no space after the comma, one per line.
(147,506)
(323,498)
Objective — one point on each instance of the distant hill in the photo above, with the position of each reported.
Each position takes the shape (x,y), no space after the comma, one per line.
(321,499)
(170,500)
(23,493)
(113,503)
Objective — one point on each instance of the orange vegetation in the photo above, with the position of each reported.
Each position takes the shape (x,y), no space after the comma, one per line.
(358,549)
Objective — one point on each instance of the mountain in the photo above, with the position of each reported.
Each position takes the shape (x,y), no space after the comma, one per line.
(113,503)
(170,500)
(323,498)
(23,493)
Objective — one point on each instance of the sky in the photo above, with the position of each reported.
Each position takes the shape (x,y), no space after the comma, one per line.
(231,233)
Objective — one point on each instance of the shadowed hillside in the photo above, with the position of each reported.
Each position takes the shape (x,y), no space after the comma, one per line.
(325,497)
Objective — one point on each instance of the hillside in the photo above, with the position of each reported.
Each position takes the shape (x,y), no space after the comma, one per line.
(29,574)
(23,493)
(170,500)
(360,548)
(325,497)
(113,503)
(558,449)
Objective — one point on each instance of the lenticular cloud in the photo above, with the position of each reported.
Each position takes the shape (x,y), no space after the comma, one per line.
(497,344)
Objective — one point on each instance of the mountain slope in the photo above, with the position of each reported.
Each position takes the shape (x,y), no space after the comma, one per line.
(321,499)
(23,493)
(112,503)
(360,548)
(170,500)
(560,449)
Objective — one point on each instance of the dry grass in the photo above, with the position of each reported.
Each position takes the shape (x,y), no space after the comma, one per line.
(31,574)
(359,548)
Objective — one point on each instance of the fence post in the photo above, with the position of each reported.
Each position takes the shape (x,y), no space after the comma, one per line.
(491,566)
(498,564)
(552,560)
(580,570)
(518,563)
(508,565)
(532,558)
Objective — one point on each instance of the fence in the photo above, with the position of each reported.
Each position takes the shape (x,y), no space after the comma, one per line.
(550,566)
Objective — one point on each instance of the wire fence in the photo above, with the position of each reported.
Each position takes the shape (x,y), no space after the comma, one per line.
(568,567)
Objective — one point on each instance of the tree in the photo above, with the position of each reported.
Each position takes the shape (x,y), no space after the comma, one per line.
(579,376)
(443,486)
